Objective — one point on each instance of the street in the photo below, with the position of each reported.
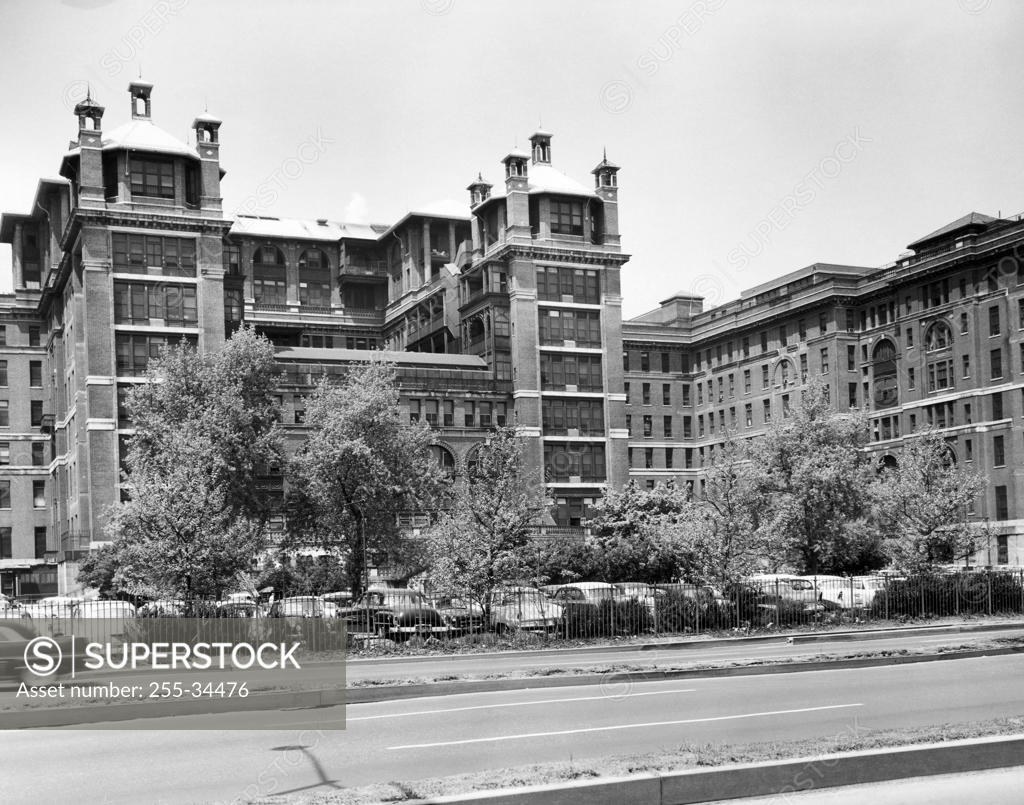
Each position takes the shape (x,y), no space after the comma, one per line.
(418,738)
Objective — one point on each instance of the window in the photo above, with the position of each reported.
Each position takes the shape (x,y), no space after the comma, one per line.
(648,426)
(700,425)
(686,395)
(998,451)
(746,381)
(625,361)
(645,361)
(1020,314)
(667,425)
(1002,549)
(646,393)
(851,389)
(151,177)
(36,413)
(997,405)
(1002,507)
(995,364)
(39,494)
(766,411)
(35,374)
(581,326)
(938,337)
(732,385)
(666,394)
(134,351)
(968,450)
(141,303)
(665,362)
(824,360)
(135,253)
(822,323)
(649,461)
(314,279)
(801,328)
(6,549)
(38,454)
(625,387)
(566,218)
(993,320)
(5,413)
(746,343)
(687,427)
(764,376)
(940,375)
(785,406)
(967,413)
(668,458)
(782,335)
(851,357)
(910,337)
(3,373)
(966,361)
(557,372)
(33,336)
(803,368)
(40,541)
(748,412)
(764,341)
(911,382)
(5,453)
(3,335)
(963,324)
(5,500)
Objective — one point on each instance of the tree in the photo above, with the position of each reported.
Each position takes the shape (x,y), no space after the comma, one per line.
(205,431)
(306,575)
(360,467)
(920,505)
(720,532)
(629,530)
(97,570)
(812,479)
(483,539)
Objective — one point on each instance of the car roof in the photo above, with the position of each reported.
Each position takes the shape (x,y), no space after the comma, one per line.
(590,585)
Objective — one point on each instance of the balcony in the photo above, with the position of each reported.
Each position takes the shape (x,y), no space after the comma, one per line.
(360,267)
(559,532)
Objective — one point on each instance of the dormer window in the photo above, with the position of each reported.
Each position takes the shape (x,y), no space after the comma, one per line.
(152,178)
(567,218)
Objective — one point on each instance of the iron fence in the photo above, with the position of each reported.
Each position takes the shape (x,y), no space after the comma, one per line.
(579,611)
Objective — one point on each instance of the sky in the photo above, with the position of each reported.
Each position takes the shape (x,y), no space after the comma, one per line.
(755,138)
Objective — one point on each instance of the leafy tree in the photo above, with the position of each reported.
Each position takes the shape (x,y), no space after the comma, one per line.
(360,467)
(920,504)
(628,533)
(720,532)
(483,540)
(97,570)
(563,560)
(205,429)
(813,479)
(308,575)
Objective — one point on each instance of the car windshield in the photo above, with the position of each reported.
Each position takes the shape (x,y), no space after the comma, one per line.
(521,597)
(396,598)
(801,584)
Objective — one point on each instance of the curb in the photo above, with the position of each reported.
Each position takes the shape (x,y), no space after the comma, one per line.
(765,779)
(46,717)
(383,693)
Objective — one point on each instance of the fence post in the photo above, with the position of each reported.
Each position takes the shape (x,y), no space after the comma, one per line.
(956,592)
(885,589)
(696,622)
(988,580)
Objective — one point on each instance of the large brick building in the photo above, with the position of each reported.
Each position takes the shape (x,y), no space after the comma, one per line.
(505,311)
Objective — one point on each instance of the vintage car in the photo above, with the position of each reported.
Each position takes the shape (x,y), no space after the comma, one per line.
(525,608)
(462,615)
(395,612)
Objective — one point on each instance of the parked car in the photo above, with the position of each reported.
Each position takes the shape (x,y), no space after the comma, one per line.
(644,593)
(582,593)
(843,592)
(462,615)
(788,587)
(54,606)
(299,606)
(525,608)
(395,612)
(9,608)
(162,609)
(335,602)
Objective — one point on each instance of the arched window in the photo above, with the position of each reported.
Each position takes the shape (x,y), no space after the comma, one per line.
(269,285)
(887,462)
(883,369)
(473,459)
(785,373)
(939,336)
(444,458)
(314,279)
(476,330)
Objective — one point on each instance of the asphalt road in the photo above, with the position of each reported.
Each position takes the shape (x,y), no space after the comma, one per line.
(417,738)
(515,663)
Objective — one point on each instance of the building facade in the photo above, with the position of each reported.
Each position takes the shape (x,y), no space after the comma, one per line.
(505,311)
